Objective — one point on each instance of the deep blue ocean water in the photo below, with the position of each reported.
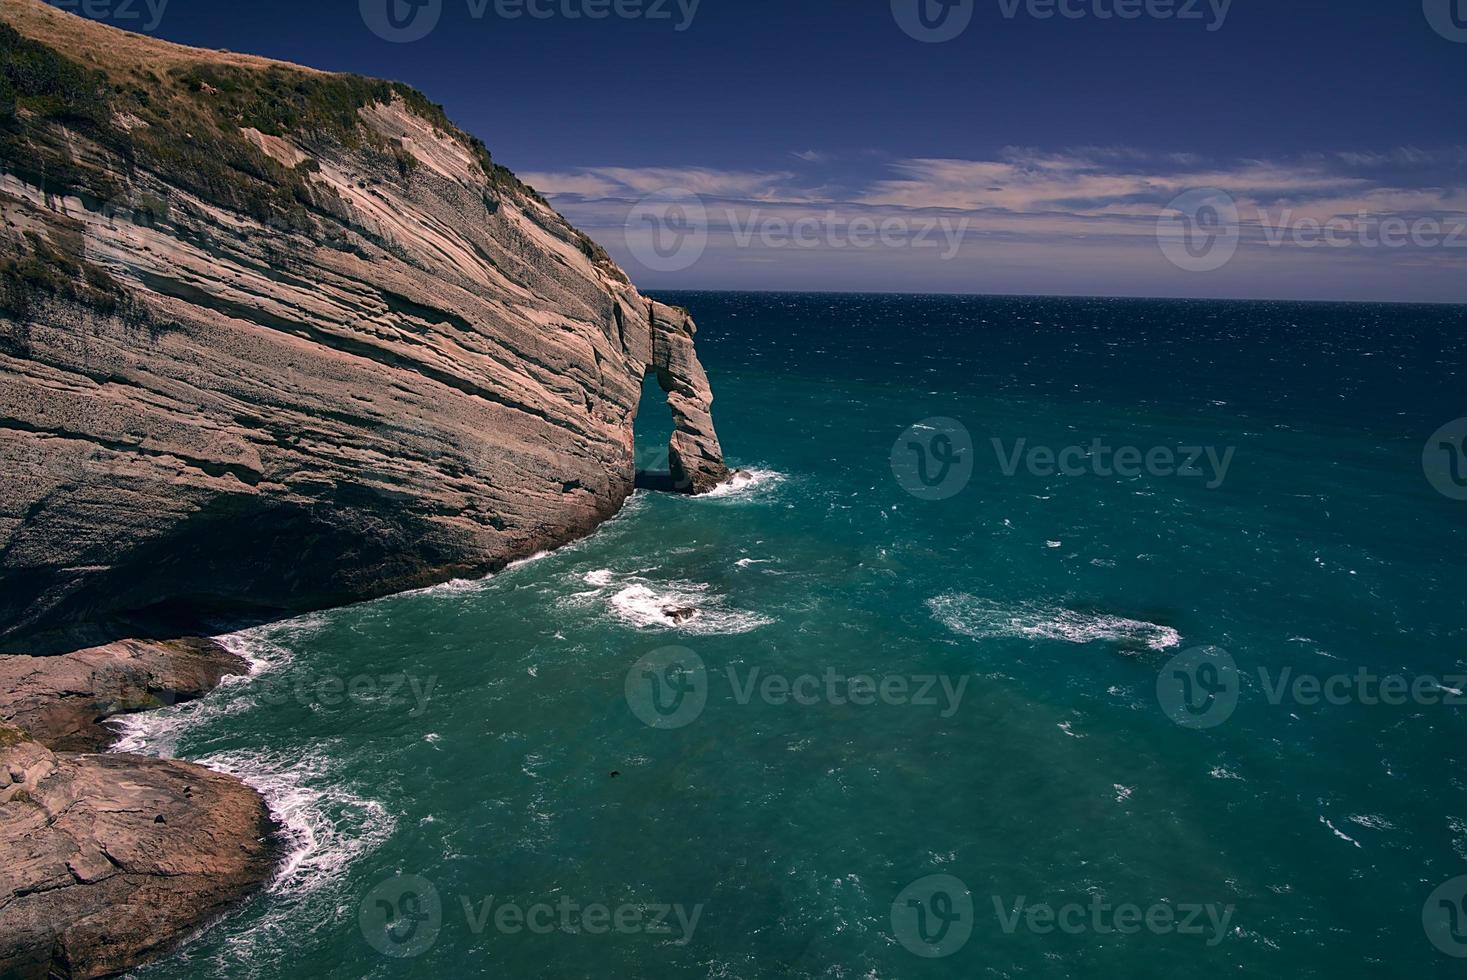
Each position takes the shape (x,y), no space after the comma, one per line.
(1081,750)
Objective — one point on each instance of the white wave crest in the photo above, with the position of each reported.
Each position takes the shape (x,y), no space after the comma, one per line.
(326,824)
(745,484)
(983,619)
(263,649)
(689,607)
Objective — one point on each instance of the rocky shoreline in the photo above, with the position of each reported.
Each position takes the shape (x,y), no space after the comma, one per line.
(108,861)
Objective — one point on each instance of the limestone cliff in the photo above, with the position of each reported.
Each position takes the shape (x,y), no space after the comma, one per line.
(274,339)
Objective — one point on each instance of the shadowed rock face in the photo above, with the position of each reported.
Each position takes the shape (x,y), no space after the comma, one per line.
(256,359)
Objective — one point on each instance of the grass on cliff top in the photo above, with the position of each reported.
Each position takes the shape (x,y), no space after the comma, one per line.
(191,111)
(179,112)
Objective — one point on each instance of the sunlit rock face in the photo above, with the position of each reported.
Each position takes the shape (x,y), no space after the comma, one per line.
(272,339)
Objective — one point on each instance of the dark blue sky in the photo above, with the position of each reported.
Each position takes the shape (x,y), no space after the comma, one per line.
(1343,102)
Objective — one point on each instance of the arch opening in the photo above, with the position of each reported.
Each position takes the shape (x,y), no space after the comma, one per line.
(652,438)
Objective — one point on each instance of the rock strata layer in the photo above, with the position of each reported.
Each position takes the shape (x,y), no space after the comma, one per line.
(273,339)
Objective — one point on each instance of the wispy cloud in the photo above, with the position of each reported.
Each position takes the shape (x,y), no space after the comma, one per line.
(1054,213)
(631,183)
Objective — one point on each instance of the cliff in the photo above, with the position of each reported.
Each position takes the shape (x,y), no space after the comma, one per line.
(274,339)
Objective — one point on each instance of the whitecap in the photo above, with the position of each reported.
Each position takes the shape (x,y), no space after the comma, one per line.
(745,483)
(326,824)
(537,556)
(686,606)
(1338,833)
(262,648)
(987,619)
(1372,822)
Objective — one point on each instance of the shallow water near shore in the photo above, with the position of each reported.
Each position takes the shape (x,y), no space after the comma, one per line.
(438,756)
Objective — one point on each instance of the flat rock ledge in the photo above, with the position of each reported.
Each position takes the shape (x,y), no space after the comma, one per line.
(110,861)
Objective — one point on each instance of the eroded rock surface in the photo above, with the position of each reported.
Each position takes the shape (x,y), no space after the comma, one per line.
(272,339)
(112,860)
(63,701)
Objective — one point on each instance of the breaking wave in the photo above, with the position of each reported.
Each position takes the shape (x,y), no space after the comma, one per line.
(752,483)
(983,619)
(689,607)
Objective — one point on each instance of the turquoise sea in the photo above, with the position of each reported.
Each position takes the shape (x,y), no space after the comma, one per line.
(905,704)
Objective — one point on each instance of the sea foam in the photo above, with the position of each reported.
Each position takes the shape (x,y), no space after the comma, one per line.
(688,607)
(983,619)
(746,484)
